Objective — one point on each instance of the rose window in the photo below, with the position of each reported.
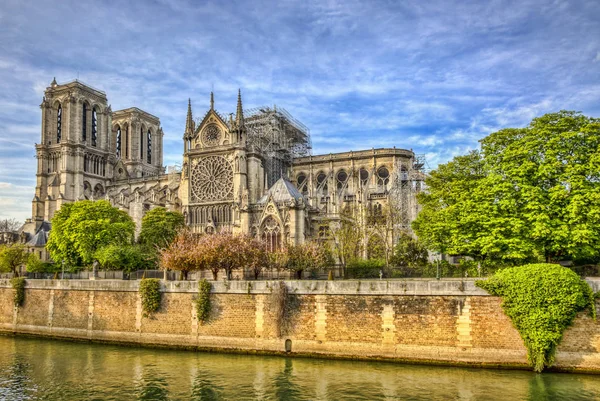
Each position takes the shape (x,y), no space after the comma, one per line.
(211,135)
(212,179)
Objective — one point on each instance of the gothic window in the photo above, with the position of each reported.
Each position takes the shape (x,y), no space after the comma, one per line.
(341,179)
(58,124)
(127,143)
(212,179)
(84,123)
(271,234)
(142,143)
(302,184)
(383,177)
(118,142)
(322,183)
(85,162)
(94,126)
(149,141)
(364,176)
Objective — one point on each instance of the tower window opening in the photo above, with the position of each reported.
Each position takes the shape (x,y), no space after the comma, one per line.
(84,123)
(149,141)
(118,142)
(142,143)
(59,124)
(127,143)
(94,126)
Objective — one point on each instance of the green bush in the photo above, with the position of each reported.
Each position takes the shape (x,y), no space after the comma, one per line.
(18,284)
(203,300)
(150,294)
(542,300)
(369,268)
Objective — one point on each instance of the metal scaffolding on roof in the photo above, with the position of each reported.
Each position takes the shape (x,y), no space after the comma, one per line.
(279,137)
(407,182)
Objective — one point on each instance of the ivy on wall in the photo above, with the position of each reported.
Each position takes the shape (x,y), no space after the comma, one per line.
(542,300)
(203,300)
(150,294)
(18,284)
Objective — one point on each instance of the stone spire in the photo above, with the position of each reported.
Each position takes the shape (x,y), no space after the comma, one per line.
(53,83)
(189,122)
(212,101)
(239,115)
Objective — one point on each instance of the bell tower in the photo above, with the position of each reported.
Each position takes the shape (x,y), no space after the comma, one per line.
(73,159)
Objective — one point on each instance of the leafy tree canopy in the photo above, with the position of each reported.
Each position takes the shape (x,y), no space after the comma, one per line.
(124,257)
(530,193)
(160,227)
(12,257)
(409,252)
(81,228)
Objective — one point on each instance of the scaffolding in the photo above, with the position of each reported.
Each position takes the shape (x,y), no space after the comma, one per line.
(278,137)
(406,184)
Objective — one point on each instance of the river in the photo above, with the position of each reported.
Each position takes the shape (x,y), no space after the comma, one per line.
(40,369)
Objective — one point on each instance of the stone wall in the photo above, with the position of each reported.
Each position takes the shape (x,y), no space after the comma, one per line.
(448,321)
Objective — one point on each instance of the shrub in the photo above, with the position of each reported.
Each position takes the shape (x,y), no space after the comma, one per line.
(18,284)
(150,294)
(542,300)
(203,300)
(369,268)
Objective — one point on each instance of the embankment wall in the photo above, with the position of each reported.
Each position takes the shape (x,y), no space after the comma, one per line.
(445,322)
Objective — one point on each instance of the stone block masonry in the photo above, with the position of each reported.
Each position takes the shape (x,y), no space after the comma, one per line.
(427,321)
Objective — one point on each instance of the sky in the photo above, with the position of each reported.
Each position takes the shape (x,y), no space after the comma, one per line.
(432,76)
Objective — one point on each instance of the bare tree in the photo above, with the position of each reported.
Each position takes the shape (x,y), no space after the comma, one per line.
(9,225)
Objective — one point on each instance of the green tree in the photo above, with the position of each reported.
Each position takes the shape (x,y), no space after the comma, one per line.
(124,257)
(160,227)
(409,252)
(12,257)
(81,228)
(531,193)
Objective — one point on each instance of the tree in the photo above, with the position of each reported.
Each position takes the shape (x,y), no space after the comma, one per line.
(307,256)
(124,257)
(160,227)
(9,225)
(531,193)
(185,254)
(12,257)
(347,240)
(81,228)
(409,252)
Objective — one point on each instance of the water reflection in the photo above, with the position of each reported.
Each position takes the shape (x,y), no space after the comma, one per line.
(36,369)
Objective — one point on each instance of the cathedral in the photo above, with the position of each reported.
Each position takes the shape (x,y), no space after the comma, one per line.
(250,172)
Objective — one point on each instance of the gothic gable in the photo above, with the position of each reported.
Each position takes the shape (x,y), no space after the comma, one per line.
(212,131)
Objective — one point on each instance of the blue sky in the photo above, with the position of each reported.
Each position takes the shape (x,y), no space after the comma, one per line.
(434,76)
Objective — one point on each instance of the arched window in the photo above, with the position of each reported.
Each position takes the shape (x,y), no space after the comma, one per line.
(59,124)
(142,143)
(149,141)
(364,177)
(271,234)
(383,176)
(84,123)
(341,179)
(118,142)
(302,184)
(127,143)
(94,126)
(322,183)
(85,161)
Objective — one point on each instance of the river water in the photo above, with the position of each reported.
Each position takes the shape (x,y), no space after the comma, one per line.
(38,369)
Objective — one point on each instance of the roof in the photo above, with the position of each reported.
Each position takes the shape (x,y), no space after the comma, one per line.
(41,236)
(282,191)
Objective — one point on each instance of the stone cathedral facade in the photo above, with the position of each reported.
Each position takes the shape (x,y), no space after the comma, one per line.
(252,172)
